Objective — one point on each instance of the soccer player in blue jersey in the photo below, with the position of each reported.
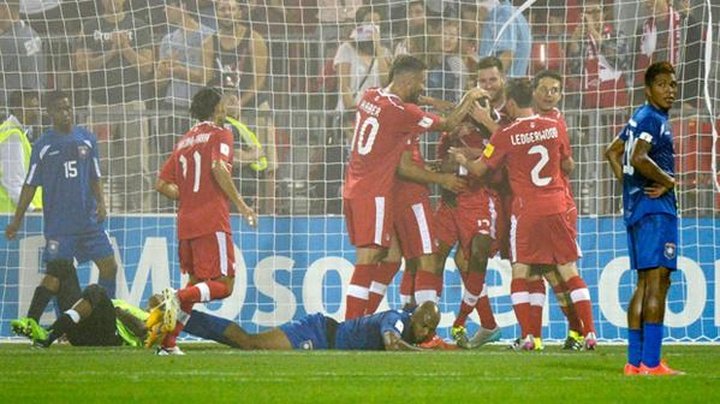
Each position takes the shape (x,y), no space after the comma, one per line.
(391,330)
(65,163)
(642,159)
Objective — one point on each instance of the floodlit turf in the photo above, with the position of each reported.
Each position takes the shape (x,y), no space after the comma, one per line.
(209,373)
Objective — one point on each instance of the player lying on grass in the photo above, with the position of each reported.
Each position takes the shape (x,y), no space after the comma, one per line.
(95,320)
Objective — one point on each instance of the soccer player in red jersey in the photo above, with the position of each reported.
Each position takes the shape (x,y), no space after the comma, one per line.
(535,151)
(197,174)
(386,118)
(547,92)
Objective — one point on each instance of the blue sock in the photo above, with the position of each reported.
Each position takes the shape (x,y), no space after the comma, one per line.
(652,343)
(108,285)
(207,326)
(635,347)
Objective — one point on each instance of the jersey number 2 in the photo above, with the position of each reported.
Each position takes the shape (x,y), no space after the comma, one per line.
(535,172)
(197,159)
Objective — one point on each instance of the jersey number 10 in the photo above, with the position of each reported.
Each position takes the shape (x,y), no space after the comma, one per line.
(197,159)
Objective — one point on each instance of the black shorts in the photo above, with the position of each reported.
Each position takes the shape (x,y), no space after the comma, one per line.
(99,329)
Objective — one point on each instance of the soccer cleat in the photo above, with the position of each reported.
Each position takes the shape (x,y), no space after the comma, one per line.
(29,328)
(154,335)
(171,308)
(169,351)
(538,344)
(42,343)
(437,343)
(590,341)
(459,335)
(524,344)
(484,336)
(574,341)
(631,370)
(660,370)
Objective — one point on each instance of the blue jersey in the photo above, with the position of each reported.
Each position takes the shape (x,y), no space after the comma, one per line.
(366,333)
(651,125)
(65,165)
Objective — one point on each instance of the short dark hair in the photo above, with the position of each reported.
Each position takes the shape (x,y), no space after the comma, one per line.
(363,11)
(520,91)
(547,74)
(53,98)
(204,103)
(406,64)
(488,62)
(657,69)
(17,98)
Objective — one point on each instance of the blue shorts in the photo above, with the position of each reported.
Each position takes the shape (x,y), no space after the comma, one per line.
(82,247)
(652,242)
(309,332)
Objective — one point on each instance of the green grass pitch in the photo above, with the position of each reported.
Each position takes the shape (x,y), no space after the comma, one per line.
(210,373)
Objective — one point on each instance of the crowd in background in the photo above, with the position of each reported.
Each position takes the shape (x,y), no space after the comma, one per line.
(295,69)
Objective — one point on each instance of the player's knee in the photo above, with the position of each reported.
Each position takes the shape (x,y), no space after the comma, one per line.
(94,294)
(51,283)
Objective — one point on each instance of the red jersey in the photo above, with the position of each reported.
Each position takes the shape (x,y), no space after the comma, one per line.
(203,206)
(409,192)
(558,116)
(383,124)
(532,149)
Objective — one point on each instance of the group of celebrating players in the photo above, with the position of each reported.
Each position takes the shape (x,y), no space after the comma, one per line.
(505,159)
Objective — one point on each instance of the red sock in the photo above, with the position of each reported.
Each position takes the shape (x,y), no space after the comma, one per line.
(427,285)
(568,310)
(536,287)
(487,318)
(170,339)
(358,291)
(473,282)
(383,275)
(521,304)
(407,287)
(580,297)
(203,292)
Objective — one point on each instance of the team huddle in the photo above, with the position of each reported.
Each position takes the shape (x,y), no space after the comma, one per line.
(504,163)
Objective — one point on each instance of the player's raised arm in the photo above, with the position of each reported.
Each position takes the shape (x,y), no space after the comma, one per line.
(467,104)
(613,154)
(412,172)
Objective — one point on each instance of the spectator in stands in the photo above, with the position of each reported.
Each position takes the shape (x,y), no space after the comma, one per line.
(419,32)
(332,14)
(471,18)
(447,73)
(184,67)
(598,60)
(21,56)
(360,63)
(691,70)
(15,149)
(116,54)
(56,17)
(241,55)
(511,45)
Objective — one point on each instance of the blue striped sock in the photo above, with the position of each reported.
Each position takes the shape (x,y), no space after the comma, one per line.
(635,347)
(208,327)
(652,344)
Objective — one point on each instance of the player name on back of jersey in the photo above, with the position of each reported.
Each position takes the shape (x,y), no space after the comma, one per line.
(520,139)
(369,108)
(193,140)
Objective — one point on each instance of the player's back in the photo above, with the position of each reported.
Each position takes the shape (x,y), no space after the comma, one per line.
(533,149)
(651,125)
(65,165)
(203,206)
(383,124)
(366,333)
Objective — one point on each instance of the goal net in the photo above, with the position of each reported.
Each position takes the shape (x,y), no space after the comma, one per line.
(293,70)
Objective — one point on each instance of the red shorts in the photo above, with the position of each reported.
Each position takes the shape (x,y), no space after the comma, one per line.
(572,218)
(414,227)
(369,221)
(208,257)
(473,216)
(542,240)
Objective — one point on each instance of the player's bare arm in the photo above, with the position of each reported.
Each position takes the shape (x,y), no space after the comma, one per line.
(613,154)
(477,167)
(482,114)
(437,104)
(167,189)
(642,162)
(412,172)
(97,189)
(222,176)
(26,196)
(567,165)
(460,112)
(134,324)
(393,342)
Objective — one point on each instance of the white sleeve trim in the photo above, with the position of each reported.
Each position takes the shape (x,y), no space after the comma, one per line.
(646,137)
